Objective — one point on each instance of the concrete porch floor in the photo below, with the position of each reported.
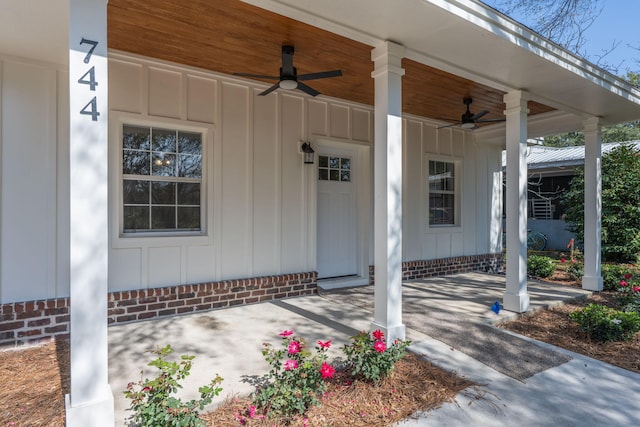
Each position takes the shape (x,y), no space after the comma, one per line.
(577,390)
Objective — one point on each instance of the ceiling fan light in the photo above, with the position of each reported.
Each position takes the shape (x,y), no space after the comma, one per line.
(468,125)
(288,84)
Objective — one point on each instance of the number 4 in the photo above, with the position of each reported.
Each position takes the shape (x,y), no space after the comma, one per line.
(91,109)
(92,79)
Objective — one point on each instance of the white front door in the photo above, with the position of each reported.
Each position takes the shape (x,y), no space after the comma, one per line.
(337,212)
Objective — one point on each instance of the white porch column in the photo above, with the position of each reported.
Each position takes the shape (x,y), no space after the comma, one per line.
(388,74)
(592,279)
(516,297)
(90,402)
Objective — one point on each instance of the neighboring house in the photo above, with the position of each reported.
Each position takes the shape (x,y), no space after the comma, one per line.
(141,178)
(550,172)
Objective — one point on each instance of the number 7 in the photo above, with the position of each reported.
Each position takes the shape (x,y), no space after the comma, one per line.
(93,46)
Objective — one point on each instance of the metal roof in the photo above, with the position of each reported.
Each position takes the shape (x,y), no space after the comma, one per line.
(543,157)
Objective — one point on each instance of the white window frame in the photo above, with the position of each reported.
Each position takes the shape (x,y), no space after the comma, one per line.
(120,239)
(457,192)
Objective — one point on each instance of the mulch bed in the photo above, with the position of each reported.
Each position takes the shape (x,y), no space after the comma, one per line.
(34,382)
(415,385)
(553,326)
(37,379)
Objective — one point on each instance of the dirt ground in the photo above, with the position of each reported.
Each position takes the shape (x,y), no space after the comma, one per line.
(35,380)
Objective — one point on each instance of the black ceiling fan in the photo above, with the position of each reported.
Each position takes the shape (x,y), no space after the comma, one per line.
(289,78)
(468,120)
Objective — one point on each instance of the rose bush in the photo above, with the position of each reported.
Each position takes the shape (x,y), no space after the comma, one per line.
(296,379)
(370,359)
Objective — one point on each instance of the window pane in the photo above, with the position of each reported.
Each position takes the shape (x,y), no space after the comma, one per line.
(136,218)
(163,193)
(135,162)
(334,175)
(135,137)
(334,162)
(441,209)
(189,194)
(345,176)
(189,143)
(164,164)
(189,166)
(163,217)
(345,164)
(135,192)
(164,140)
(323,175)
(441,176)
(323,161)
(188,218)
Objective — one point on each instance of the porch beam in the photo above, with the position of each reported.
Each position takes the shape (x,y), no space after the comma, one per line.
(90,402)
(516,297)
(388,74)
(592,279)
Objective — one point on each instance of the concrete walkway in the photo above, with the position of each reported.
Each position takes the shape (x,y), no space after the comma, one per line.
(578,391)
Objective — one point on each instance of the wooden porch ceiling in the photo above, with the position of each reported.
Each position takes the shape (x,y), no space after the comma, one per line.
(230,36)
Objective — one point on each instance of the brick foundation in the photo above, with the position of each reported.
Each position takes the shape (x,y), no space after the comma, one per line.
(439,267)
(32,322)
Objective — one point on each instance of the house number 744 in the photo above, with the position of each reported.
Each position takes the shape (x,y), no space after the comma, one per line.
(89,78)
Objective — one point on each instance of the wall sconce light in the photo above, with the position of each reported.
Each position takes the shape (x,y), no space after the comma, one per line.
(308,153)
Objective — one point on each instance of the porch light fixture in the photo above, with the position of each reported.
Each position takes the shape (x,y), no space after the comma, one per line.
(308,153)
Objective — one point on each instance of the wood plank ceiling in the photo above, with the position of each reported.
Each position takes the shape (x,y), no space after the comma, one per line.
(229,36)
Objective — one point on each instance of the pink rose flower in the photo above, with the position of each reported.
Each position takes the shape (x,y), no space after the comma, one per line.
(294,347)
(563,260)
(636,289)
(327,370)
(627,276)
(290,364)
(286,333)
(379,346)
(378,334)
(623,283)
(325,344)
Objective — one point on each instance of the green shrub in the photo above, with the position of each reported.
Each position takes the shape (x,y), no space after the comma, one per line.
(603,324)
(152,400)
(540,266)
(369,358)
(612,274)
(296,379)
(575,270)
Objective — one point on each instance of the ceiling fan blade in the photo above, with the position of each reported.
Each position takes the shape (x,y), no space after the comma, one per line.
(491,120)
(256,76)
(311,91)
(287,61)
(480,114)
(448,126)
(320,75)
(271,89)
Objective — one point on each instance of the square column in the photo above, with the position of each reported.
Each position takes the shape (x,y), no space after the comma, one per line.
(516,297)
(388,74)
(592,279)
(90,402)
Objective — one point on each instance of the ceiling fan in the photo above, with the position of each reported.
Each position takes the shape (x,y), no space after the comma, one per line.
(468,120)
(289,78)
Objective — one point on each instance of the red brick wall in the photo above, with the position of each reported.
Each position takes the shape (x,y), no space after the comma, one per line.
(439,267)
(36,321)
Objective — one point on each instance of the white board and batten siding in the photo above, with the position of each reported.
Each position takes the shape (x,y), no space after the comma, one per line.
(260,198)
(34,180)
(478,214)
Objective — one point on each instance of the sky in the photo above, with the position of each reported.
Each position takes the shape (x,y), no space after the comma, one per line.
(618,22)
